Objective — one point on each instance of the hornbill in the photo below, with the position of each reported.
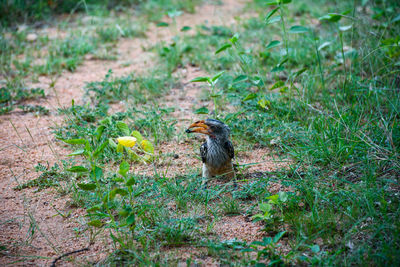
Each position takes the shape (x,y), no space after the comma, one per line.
(217,152)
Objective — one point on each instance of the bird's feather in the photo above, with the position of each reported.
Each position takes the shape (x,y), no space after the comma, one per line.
(203,152)
(229,148)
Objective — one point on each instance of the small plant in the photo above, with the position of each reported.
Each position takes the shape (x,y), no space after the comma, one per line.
(267,207)
(213,94)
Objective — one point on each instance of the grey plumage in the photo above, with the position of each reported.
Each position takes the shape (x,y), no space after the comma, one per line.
(217,152)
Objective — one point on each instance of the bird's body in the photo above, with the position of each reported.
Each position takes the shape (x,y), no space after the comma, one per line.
(217,152)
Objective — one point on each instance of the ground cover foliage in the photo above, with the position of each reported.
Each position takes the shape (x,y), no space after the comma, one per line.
(316,84)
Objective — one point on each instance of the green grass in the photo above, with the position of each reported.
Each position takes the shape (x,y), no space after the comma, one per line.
(336,120)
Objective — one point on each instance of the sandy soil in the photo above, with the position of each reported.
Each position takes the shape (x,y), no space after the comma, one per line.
(31,226)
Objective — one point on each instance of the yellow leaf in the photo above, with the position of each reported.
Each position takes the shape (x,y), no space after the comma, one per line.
(127,141)
(147,146)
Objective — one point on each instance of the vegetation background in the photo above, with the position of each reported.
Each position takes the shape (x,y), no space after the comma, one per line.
(95,97)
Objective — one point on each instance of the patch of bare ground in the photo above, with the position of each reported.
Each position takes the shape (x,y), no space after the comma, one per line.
(31,226)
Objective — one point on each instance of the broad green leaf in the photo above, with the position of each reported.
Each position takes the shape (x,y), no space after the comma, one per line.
(331,17)
(234,38)
(131,181)
(127,141)
(99,132)
(202,110)
(75,141)
(257,81)
(273,20)
(123,168)
(162,24)
(174,13)
(123,128)
(273,198)
(120,148)
(298,29)
(216,76)
(278,236)
(278,84)
(265,207)
(200,79)
(240,78)
(147,146)
(77,169)
(94,208)
(299,72)
(185,28)
(100,149)
(131,219)
(117,191)
(222,48)
(396,19)
(133,156)
(112,143)
(264,103)
(273,44)
(325,44)
(249,97)
(283,196)
(96,223)
(96,173)
(277,2)
(137,135)
(87,187)
(315,248)
(77,152)
(270,14)
(345,28)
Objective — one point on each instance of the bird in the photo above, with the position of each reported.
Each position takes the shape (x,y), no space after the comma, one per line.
(217,151)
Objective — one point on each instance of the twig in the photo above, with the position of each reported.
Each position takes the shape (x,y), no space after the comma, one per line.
(53,264)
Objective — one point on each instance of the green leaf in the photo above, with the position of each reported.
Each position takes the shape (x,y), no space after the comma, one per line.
(123,168)
(200,79)
(131,181)
(331,17)
(273,20)
(147,146)
(278,236)
(270,14)
(299,72)
(117,191)
(257,81)
(138,136)
(77,169)
(234,38)
(277,2)
(265,207)
(185,28)
(273,44)
(112,143)
(298,29)
(77,152)
(396,19)
(325,44)
(75,141)
(162,24)
(264,103)
(283,196)
(273,198)
(278,84)
(96,223)
(120,148)
(94,208)
(99,132)
(249,97)
(222,48)
(216,76)
(87,187)
(96,173)
(315,249)
(240,78)
(202,110)
(100,149)
(131,219)
(345,28)
(123,128)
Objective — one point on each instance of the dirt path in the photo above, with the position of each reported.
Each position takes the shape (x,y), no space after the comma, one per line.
(31,227)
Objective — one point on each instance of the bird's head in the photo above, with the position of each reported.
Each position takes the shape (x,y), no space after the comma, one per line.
(212,128)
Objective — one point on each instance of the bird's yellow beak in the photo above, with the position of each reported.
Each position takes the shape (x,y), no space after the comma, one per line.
(199,127)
